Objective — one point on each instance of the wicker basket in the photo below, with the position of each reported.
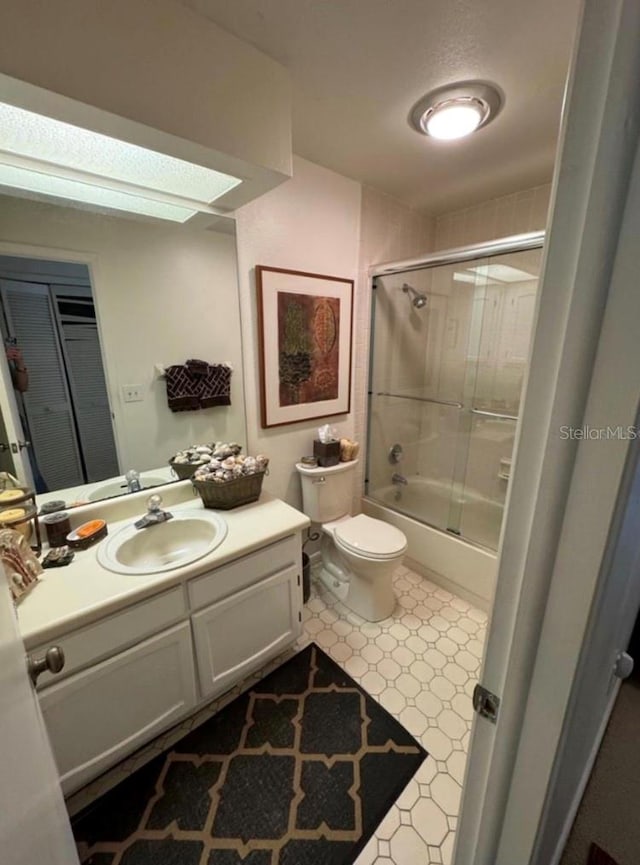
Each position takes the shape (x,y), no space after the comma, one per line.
(184,471)
(230,494)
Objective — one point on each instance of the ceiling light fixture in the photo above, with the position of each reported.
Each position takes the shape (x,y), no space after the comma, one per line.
(456,110)
(55,159)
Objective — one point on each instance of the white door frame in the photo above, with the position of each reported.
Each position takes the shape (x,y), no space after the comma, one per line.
(510,763)
(610,623)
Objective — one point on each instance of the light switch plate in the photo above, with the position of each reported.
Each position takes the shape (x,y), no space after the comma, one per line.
(132,392)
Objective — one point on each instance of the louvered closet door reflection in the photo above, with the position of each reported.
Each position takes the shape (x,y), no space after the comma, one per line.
(93,414)
(30,319)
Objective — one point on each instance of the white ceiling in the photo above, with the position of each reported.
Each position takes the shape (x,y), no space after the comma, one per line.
(358,67)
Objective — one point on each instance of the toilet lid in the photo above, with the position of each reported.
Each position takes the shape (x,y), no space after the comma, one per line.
(364,535)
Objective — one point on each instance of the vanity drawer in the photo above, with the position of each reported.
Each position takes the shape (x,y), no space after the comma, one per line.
(244,572)
(114,633)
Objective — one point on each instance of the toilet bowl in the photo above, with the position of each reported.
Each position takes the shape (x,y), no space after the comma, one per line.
(369,551)
(359,553)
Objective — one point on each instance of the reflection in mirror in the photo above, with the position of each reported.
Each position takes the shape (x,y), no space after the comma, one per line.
(94,306)
(48,320)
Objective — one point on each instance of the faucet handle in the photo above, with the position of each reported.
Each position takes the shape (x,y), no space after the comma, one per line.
(154,503)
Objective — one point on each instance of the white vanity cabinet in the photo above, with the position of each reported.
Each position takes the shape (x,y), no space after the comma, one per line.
(98,716)
(237,635)
(242,629)
(135,673)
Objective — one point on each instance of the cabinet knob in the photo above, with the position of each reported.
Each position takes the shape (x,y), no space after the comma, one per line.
(52,661)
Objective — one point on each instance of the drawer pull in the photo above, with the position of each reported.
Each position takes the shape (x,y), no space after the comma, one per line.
(52,661)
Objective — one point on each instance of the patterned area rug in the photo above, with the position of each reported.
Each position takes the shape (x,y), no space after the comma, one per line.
(299,770)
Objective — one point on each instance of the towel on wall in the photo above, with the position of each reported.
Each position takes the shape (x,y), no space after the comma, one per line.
(197,384)
(216,386)
(182,393)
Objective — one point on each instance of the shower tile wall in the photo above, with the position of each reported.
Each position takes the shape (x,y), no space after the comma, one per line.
(499,217)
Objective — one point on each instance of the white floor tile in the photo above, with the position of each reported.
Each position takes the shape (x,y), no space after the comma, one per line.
(429,821)
(452,724)
(407,847)
(446,794)
(442,688)
(393,701)
(456,764)
(388,827)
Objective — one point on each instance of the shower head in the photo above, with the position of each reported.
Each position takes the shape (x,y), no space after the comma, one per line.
(418,300)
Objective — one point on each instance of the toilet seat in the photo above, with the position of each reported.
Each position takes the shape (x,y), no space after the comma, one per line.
(370,538)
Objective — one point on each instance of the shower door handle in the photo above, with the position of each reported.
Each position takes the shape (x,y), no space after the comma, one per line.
(494,414)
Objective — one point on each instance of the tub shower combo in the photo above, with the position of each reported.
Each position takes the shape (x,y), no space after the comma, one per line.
(449,348)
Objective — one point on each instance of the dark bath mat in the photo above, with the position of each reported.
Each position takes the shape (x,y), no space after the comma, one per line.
(299,770)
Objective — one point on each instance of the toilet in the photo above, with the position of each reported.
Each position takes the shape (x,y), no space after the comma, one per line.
(359,554)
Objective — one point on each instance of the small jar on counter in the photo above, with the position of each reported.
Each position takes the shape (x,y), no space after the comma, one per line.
(57,527)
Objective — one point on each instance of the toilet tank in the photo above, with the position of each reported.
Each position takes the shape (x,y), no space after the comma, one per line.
(327,492)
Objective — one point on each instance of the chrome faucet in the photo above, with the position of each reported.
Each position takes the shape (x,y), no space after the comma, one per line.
(132,478)
(397,478)
(154,514)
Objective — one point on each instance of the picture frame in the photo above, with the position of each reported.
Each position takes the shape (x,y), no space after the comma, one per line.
(305,325)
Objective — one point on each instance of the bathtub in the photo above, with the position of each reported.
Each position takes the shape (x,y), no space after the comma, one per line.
(465,568)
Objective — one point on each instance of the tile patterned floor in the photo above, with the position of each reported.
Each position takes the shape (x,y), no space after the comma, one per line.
(421,664)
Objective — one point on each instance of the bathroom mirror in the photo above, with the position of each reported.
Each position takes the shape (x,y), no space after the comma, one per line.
(99,305)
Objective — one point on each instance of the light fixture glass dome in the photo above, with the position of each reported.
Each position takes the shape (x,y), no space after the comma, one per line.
(454,118)
(456,110)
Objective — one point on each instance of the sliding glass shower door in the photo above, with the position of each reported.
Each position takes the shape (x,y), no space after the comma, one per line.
(449,351)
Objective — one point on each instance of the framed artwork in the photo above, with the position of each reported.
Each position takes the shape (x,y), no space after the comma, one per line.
(304,326)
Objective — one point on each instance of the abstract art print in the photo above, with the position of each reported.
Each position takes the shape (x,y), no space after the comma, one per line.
(305,324)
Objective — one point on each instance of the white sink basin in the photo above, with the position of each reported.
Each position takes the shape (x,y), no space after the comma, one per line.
(189,536)
(119,487)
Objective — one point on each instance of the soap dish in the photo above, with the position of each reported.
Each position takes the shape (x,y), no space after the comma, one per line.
(87,534)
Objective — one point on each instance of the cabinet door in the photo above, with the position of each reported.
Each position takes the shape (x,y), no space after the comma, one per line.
(238,634)
(105,712)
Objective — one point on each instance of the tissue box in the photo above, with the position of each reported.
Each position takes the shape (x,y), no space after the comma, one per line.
(327,453)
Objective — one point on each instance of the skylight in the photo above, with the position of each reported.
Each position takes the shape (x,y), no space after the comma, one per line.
(31,143)
(73,190)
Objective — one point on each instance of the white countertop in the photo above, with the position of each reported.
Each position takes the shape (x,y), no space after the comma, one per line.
(83,592)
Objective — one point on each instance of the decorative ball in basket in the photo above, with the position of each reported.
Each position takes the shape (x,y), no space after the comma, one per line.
(230,482)
(186,461)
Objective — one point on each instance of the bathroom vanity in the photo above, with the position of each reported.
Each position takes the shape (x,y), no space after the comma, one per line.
(144,651)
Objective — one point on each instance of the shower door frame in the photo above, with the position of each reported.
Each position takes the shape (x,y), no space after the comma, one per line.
(502,246)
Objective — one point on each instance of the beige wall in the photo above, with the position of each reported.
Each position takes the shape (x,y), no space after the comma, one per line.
(310,223)
(164,293)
